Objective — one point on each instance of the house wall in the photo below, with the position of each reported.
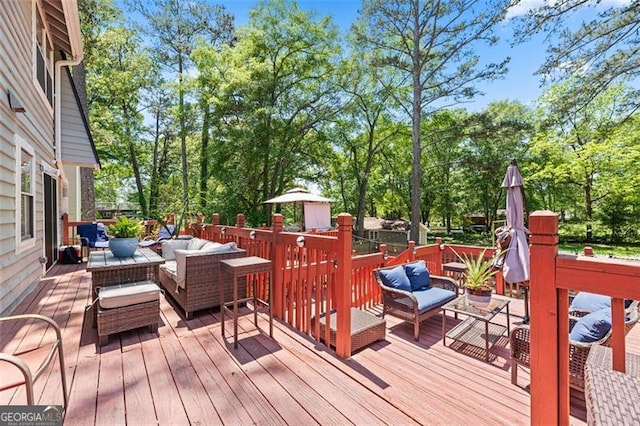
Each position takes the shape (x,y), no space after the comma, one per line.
(72,173)
(20,270)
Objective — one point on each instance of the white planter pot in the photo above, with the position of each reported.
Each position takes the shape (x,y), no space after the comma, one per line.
(479,299)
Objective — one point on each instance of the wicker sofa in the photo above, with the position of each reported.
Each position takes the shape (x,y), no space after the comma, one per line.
(520,344)
(423,298)
(191,273)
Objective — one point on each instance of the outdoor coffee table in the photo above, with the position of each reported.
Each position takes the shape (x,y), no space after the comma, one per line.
(477,329)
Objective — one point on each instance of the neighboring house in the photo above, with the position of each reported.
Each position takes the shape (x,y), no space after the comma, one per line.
(44,138)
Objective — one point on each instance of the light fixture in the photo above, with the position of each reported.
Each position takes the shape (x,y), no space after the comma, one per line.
(300,241)
(223,230)
(385,255)
(14,103)
(335,263)
(252,235)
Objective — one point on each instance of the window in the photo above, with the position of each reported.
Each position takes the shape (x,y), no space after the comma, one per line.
(25,195)
(42,54)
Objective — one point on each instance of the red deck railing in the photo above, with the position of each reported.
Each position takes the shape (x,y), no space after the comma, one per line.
(316,273)
(70,228)
(552,276)
(320,274)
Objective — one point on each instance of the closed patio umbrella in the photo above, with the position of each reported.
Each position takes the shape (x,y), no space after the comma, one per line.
(516,262)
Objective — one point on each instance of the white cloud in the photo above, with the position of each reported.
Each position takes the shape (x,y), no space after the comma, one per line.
(522,7)
(525,6)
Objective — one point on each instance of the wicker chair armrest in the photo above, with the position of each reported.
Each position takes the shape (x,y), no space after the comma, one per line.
(444,282)
(395,293)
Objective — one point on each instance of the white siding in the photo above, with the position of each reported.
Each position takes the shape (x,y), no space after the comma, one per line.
(72,174)
(76,145)
(20,272)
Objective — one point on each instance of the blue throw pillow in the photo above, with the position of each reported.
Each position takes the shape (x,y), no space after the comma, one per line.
(418,275)
(592,327)
(396,278)
(590,302)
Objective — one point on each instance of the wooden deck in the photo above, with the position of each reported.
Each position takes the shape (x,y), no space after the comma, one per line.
(186,374)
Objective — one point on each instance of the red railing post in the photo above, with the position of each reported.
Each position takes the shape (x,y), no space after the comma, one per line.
(383,250)
(65,229)
(500,283)
(215,220)
(412,251)
(343,287)
(549,404)
(277,256)
(240,220)
(439,259)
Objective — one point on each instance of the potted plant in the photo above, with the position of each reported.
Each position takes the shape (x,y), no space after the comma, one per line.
(478,279)
(125,233)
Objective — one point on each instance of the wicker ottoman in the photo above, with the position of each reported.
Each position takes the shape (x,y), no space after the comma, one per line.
(366,328)
(126,307)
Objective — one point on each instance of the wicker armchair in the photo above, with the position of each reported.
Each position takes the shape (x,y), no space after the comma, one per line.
(404,304)
(202,286)
(519,340)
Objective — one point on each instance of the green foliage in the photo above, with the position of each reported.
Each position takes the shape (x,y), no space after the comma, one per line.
(600,52)
(125,228)
(431,45)
(479,271)
(282,68)
(236,118)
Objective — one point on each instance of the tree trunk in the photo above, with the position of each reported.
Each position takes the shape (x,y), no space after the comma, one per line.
(416,171)
(204,159)
(136,169)
(154,184)
(588,208)
(183,142)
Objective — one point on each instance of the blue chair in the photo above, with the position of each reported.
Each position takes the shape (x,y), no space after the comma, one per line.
(166,233)
(93,235)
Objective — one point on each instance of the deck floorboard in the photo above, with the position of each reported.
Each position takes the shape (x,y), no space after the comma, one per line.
(186,373)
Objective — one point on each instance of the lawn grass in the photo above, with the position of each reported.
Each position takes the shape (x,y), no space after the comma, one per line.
(483,239)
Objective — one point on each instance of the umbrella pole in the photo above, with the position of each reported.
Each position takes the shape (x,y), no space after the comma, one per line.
(525,289)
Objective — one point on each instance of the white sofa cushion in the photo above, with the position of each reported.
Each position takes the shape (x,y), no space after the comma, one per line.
(169,247)
(117,296)
(196,243)
(207,248)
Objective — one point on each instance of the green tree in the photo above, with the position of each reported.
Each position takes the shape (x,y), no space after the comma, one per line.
(365,126)
(176,26)
(596,54)
(587,136)
(443,133)
(273,90)
(494,137)
(116,79)
(432,43)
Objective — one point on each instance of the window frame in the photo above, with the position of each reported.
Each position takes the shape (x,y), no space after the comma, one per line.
(22,146)
(47,56)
